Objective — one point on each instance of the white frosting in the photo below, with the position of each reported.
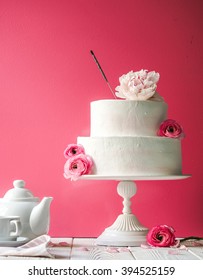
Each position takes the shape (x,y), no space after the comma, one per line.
(126,117)
(135,156)
(123,139)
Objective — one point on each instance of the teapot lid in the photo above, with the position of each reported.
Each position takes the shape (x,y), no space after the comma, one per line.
(19,192)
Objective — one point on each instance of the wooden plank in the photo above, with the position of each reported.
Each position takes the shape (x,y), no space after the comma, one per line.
(162,254)
(197,251)
(86,249)
(21,258)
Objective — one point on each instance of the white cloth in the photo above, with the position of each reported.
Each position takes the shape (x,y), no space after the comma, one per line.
(37,247)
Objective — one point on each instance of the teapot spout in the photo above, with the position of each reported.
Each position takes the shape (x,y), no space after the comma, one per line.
(40,217)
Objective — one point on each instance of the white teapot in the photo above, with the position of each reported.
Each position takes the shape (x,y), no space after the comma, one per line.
(34,214)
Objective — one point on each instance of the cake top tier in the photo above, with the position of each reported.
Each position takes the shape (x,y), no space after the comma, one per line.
(140,114)
(126,117)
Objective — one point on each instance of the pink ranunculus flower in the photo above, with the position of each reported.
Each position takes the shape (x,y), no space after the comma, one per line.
(139,85)
(170,128)
(161,236)
(73,149)
(77,166)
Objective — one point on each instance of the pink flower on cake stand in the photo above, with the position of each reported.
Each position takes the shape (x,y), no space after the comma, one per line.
(161,236)
(73,149)
(170,128)
(77,166)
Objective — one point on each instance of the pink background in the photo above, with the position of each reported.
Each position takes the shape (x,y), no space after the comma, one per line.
(48,79)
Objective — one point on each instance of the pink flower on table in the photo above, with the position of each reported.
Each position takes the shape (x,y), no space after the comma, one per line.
(170,128)
(77,166)
(161,236)
(73,149)
(139,85)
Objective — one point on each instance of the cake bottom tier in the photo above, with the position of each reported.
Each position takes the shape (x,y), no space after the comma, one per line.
(127,156)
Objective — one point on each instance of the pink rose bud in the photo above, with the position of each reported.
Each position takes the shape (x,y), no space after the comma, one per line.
(161,236)
(77,166)
(73,149)
(170,128)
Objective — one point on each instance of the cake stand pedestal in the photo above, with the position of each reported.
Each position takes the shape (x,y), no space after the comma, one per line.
(126,230)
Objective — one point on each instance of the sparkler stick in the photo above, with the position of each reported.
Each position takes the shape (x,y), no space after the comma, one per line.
(102,72)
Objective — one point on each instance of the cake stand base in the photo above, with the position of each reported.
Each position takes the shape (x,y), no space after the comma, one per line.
(126,230)
(113,236)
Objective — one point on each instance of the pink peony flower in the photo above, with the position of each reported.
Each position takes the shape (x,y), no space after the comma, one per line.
(77,166)
(73,149)
(139,85)
(161,236)
(170,128)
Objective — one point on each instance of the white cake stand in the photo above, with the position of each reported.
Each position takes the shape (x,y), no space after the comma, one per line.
(126,230)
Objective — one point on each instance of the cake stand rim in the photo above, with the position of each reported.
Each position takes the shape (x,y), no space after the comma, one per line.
(136,178)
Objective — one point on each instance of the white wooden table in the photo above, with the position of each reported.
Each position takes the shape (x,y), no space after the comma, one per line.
(86,249)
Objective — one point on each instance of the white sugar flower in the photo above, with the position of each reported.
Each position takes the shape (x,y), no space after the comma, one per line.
(139,85)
